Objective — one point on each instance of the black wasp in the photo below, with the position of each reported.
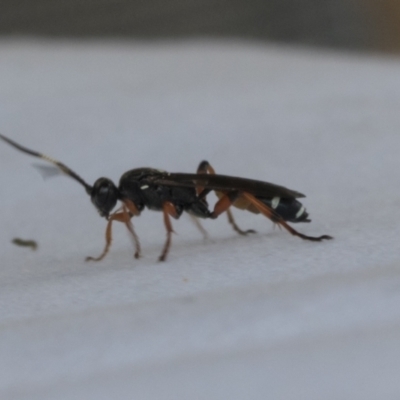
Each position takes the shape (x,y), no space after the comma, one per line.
(173,193)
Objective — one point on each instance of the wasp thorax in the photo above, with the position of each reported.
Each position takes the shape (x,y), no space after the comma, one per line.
(104,196)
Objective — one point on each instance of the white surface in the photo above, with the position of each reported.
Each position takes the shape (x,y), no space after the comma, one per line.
(266,316)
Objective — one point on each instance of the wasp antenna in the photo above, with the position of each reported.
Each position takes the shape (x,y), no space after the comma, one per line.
(58,164)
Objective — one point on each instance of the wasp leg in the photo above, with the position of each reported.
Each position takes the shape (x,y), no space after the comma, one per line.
(205,168)
(277,219)
(235,227)
(168,210)
(224,203)
(133,210)
(117,216)
(121,216)
(199,226)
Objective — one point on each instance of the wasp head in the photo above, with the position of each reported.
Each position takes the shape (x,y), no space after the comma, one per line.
(104,196)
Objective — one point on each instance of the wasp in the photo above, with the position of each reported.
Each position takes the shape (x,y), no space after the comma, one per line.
(174,193)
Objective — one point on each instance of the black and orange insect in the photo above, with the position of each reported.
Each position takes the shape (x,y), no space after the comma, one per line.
(173,193)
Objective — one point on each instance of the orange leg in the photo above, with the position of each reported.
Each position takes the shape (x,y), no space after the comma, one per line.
(223,205)
(135,238)
(130,205)
(276,218)
(235,227)
(205,168)
(168,210)
(121,216)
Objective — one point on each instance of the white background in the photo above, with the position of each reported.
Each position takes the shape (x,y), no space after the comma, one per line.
(265,316)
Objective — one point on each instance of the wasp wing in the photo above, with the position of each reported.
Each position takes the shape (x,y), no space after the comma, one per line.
(226,183)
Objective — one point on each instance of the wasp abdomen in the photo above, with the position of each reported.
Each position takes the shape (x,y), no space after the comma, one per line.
(290,210)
